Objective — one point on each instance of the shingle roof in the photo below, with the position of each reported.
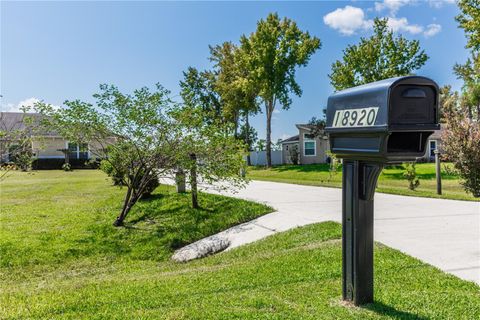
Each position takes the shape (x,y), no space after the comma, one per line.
(291,139)
(10,121)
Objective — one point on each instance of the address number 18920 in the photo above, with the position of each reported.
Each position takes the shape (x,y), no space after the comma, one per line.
(362,117)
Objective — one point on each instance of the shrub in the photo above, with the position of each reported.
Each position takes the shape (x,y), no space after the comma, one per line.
(151,186)
(117,177)
(411,175)
(66,167)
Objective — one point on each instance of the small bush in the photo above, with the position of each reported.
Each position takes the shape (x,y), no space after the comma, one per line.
(411,175)
(66,167)
(151,186)
(117,177)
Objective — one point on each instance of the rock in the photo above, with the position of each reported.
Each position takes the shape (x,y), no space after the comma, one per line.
(201,248)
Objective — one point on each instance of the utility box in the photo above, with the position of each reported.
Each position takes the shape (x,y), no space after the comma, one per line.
(381,122)
(386,121)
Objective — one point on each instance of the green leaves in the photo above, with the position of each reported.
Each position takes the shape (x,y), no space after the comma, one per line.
(379,57)
(469,20)
(273,52)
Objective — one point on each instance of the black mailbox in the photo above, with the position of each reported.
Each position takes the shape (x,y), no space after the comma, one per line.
(381,122)
(386,121)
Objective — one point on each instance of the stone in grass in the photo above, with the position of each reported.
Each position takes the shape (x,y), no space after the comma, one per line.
(201,248)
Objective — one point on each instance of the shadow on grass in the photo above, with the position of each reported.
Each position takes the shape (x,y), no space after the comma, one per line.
(385,310)
(298,168)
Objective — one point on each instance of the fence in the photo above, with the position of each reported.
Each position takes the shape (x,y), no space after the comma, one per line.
(259,158)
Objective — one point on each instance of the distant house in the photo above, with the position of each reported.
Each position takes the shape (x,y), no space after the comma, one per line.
(434,142)
(305,148)
(48,148)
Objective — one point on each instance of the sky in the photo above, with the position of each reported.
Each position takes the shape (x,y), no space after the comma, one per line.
(57,51)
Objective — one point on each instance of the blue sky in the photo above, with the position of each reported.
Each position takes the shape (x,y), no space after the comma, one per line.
(63,50)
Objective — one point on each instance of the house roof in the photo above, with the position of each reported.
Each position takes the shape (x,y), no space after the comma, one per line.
(291,139)
(305,126)
(437,134)
(10,121)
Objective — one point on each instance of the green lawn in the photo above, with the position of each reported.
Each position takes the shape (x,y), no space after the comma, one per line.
(391,179)
(62,259)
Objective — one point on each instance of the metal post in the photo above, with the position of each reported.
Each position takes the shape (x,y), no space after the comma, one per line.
(359,182)
(438,171)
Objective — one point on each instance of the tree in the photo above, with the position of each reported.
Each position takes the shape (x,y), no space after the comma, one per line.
(198,89)
(133,131)
(248,135)
(469,21)
(470,74)
(260,146)
(208,152)
(271,55)
(16,140)
(379,57)
(461,142)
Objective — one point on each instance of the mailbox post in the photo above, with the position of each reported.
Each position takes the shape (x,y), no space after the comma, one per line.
(383,122)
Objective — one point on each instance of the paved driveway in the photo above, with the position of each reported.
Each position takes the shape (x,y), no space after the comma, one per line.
(444,233)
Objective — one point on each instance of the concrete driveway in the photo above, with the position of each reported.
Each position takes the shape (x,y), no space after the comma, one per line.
(443,233)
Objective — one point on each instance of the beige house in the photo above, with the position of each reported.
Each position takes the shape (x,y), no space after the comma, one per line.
(48,148)
(305,148)
(434,142)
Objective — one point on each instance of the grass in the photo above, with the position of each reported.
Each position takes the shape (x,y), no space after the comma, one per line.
(391,179)
(52,217)
(62,259)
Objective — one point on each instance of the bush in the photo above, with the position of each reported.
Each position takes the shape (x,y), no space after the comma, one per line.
(151,186)
(411,175)
(117,177)
(66,167)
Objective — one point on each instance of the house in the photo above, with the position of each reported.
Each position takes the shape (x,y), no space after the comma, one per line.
(48,148)
(434,142)
(305,148)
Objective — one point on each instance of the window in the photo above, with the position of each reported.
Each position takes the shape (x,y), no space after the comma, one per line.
(309,148)
(433,147)
(76,151)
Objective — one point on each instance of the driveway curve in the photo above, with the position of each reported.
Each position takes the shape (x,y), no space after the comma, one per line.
(443,233)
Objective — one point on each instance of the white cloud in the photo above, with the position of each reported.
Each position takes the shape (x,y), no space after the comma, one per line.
(27,103)
(439,3)
(11,107)
(276,111)
(350,19)
(347,20)
(432,29)
(392,5)
(401,24)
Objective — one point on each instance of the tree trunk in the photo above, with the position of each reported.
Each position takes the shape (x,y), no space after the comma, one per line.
(269,133)
(247,139)
(193,181)
(478,112)
(126,208)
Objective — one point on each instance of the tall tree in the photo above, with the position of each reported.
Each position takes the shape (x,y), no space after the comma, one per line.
(272,54)
(198,89)
(469,21)
(381,56)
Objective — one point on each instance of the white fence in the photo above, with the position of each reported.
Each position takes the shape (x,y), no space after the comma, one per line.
(259,158)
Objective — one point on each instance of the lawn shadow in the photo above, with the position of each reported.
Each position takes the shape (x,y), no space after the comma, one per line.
(424,176)
(323,167)
(386,310)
